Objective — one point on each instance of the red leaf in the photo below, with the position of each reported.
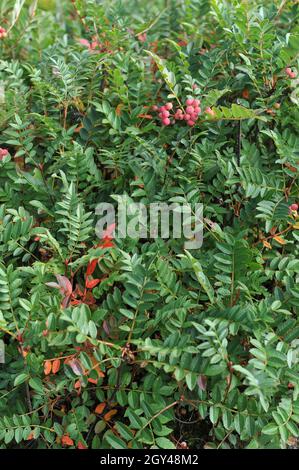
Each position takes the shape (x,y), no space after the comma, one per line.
(56,366)
(100,408)
(64,284)
(91,283)
(202,382)
(81,445)
(91,267)
(67,441)
(47,367)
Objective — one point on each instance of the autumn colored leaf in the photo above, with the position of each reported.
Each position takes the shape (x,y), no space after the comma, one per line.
(67,441)
(92,381)
(91,283)
(280,240)
(267,244)
(109,415)
(100,408)
(56,366)
(91,267)
(47,367)
(80,445)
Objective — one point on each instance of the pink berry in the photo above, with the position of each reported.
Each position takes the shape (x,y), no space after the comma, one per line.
(189,109)
(292,75)
(190,123)
(294,207)
(179,111)
(162,108)
(186,117)
(155,107)
(196,103)
(166,121)
(160,115)
(189,102)
(288,71)
(194,86)
(165,114)
(168,106)
(3,153)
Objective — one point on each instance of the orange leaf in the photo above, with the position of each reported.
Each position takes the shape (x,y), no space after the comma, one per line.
(279,240)
(91,283)
(81,445)
(267,245)
(109,415)
(47,367)
(92,381)
(91,267)
(66,440)
(100,408)
(56,366)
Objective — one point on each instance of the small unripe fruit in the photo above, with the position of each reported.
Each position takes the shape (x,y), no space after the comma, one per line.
(277,105)
(210,111)
(168,106)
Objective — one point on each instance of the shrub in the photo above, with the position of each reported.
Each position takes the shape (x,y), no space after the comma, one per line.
(118,343)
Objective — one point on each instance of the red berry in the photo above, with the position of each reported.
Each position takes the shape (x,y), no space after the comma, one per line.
(189,109)
(155,107)
(160,115)
(288,71)
(294,207)
(187,117)
(196,103)
(292,75)
(168,106)
(190,123)
(189,102)
(165,114)
(166,121)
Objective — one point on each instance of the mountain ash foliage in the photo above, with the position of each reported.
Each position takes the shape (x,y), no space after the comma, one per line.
(126,343)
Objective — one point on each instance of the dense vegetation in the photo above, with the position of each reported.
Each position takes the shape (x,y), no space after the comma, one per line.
(127,343)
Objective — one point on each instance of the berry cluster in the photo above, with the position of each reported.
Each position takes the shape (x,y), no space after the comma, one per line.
(189,114)
(290,73)
(3,33)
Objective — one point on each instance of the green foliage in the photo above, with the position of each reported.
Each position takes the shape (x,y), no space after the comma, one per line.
(155,337)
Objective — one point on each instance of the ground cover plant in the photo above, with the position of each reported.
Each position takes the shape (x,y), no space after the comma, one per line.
(140,343)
